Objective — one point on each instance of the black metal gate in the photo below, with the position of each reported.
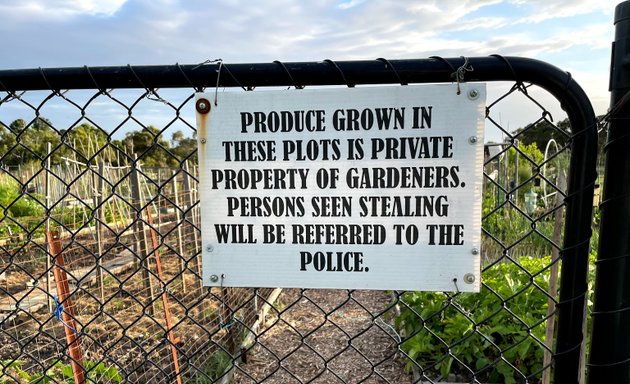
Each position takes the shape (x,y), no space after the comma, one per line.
(99,255)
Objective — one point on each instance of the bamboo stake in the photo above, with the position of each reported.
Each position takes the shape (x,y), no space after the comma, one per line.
(100,217)
(180,240)
(47,192)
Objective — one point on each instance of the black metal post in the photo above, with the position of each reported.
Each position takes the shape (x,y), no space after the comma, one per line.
(610,341)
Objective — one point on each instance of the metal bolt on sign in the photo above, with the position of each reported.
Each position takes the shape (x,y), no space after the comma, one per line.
(469,278)
(203,106)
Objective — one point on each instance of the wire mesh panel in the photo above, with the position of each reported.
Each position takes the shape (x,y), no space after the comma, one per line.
(100,259)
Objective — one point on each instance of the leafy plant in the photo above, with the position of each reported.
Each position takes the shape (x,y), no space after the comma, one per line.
(503,323)
(58,373)
(219,362)
(19,212)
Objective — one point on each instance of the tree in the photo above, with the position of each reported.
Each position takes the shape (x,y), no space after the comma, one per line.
(176,137)
(26,142)
(84,141)
(543,131)
(186,149)
(150,146)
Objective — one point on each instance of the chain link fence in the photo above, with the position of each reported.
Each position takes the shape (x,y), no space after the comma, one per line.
(100,260)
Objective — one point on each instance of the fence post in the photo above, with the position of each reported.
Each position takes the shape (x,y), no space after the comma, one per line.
(610,339)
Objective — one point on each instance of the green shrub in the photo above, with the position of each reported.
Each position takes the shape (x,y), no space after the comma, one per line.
(16,204)
(58,373)
(18,212)
(506,320)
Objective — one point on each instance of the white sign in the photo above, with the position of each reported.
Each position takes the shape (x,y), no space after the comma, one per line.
(362,188)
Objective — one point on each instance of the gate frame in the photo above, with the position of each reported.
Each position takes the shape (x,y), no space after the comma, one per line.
(582,171)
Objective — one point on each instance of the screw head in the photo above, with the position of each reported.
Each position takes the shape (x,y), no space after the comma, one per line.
(214,278)
(469,278)
(203,106)
(473,94)
(202,140)
(209,248)
(473,139)
(474,251)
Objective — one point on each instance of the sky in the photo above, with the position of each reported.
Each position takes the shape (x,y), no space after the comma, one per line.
(574,35)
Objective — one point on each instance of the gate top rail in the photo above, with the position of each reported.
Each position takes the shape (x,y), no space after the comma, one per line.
(382,71)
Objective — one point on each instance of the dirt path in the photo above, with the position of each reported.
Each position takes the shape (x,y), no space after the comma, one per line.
(34,299)
(326,336)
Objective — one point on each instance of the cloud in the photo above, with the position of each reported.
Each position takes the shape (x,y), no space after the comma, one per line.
(542,10)
(349,4)
(60,9)
(117,32)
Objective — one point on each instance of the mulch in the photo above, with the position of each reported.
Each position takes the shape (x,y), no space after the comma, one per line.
(326,336)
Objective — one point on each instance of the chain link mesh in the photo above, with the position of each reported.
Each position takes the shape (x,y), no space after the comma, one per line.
(112,176)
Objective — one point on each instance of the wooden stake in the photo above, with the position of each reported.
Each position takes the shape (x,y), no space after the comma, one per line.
(48,198)
(141,244)
(100,218)
(180,240)
(67,315)
(167,312)
(553,281)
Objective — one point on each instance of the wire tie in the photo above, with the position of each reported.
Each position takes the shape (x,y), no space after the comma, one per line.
(58,311)
(460,73)
(216,94)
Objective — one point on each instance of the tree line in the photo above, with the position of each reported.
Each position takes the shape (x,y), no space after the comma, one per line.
(24,142)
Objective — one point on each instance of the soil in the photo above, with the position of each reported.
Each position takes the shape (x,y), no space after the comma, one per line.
(315,336)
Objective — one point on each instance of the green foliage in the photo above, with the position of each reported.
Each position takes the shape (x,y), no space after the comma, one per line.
(505,321)
(24,210)
(186,149)
(16,204)
(477,329)
(84,141)
(58,373)
(150,146)
(26,141)
(219,362)
(543,131)
(508,227)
